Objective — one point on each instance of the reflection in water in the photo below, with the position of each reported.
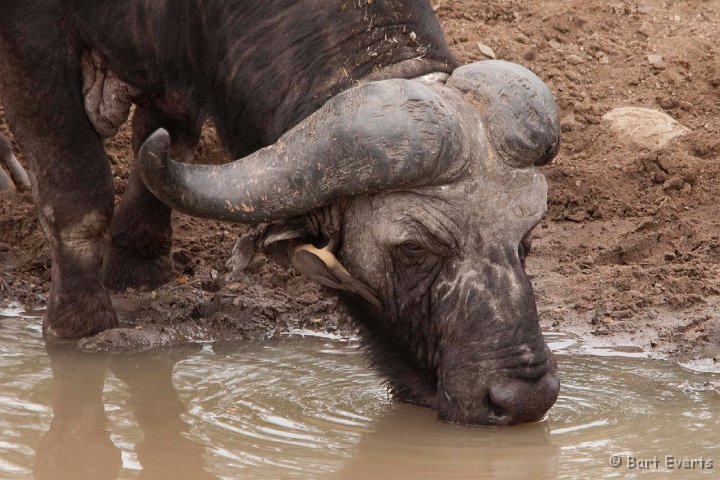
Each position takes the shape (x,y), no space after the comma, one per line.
(78,444)
(522,452)
(311,409)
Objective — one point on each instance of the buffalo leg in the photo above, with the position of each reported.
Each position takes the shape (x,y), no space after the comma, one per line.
(39,75)
(141,231)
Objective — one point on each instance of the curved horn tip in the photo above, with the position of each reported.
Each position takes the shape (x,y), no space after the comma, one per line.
(158,142)
(154,153)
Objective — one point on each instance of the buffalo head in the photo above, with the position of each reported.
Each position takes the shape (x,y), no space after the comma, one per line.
(423,193)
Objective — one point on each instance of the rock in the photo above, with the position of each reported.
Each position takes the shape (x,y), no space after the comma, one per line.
(670,164)
(569,123)
(487,51)
(531,53)
(674,183)
(522,38)
(574,59)
(552,72)
(656,61)
(659,177)
(643,127)
(646,30)
(573,76)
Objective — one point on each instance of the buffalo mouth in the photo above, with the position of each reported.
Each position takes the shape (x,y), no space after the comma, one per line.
(503,397)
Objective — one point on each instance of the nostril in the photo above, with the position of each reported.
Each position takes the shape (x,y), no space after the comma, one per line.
(522,400)
(496,410)
(532,372)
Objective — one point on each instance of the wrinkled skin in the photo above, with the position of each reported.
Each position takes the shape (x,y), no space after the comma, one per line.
(460,318)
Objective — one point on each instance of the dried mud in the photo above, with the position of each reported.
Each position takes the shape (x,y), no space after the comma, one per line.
(629,253)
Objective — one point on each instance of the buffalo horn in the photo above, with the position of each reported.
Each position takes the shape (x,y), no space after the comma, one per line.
(518,107)
(378,136)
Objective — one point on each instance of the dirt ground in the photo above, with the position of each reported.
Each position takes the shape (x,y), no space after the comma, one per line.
(629,253)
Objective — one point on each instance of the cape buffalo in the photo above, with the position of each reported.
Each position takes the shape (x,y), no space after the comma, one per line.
(375,165)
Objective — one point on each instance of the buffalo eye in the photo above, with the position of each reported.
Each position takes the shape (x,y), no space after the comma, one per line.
(411,248)
(411,253)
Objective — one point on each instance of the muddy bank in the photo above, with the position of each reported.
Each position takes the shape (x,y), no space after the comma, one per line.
(629,252)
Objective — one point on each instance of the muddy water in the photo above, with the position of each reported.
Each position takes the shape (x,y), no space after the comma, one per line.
(309,408)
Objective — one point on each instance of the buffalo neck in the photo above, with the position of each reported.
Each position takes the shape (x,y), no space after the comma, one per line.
(257,68)
(274,66)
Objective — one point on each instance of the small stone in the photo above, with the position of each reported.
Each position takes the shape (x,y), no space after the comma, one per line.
(553,72)
(569,123)
(555,45)
(674,183)
(670,164)
(667,103)
(487,51)
(181,280)
(659,178)
(644,9)
(522,38)
(574,59)
(153,295)
(656,61)
(646,30)
(237,301)
(573,76)
(531,53)
(604,60)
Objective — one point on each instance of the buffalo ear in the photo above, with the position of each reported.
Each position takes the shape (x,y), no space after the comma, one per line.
(243,252)
(270,239)
(321,266)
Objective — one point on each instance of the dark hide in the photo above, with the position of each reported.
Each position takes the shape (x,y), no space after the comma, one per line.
(255,68)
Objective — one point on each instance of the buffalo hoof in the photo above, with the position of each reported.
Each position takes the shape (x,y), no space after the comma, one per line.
(124,269)
(84,315)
